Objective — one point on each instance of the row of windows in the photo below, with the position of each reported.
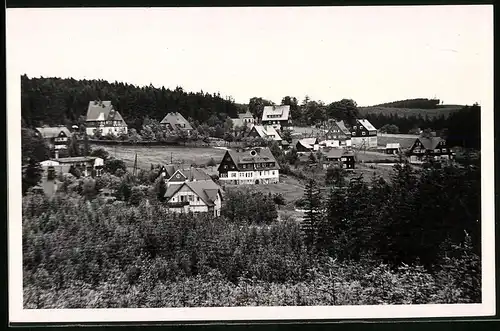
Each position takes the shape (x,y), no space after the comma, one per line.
(190,197)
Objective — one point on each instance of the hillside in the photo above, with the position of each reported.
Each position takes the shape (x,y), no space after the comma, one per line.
(55,101)
(443,110)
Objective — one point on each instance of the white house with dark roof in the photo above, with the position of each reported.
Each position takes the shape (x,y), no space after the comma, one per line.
(174,121)
(201,196)
(248,166)
(277,116)
(85,164)
(243,119)
(427,148)
(57,138)
(363,134)
(102,116)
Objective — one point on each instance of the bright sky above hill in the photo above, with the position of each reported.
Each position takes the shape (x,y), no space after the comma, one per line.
(370,54)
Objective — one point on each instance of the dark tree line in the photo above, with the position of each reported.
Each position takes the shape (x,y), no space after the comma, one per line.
(53,101)
(419,103)
(463,128)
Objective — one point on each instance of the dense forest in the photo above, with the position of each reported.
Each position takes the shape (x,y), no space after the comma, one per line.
(54,101)
(412,239)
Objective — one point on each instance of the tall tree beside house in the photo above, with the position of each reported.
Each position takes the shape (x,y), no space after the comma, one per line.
(32,175)
(313,213)
(160,188)
(295,112)
(345,109)
(256,106)
(33,147)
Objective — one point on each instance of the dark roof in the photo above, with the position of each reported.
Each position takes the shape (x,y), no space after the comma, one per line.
(194,174)
(206,189)
(335,153)
(102,111)
(176,120)
(430,142)
(252,155)
(53,132)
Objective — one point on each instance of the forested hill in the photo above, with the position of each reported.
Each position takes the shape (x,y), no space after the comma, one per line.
(55,101)
(419,103)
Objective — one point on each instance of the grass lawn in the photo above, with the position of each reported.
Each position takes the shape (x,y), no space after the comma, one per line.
(147,155)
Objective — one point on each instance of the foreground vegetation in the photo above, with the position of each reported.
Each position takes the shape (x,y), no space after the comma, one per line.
(414,239)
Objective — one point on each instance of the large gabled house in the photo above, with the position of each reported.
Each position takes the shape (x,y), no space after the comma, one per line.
(363,134)
(57,138)
(264,132)
(337,135)
(248,166)
(174,121)
(102,116)
(201,196)
(277,116)
(427,148)
(86,165)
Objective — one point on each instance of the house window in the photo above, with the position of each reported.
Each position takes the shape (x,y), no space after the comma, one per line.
(353,133)
(344,159)
(272,173)
(225,166)
(444,150)
(183,198)
(354,127)
(190,198)
(436,150)
(198,199)
(363,133)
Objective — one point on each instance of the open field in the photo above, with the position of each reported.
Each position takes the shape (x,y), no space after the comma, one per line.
(147,155)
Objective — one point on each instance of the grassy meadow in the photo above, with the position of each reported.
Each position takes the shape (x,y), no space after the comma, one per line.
(147,155)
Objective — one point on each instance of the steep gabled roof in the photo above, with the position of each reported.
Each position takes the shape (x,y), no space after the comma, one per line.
(308,142)
(368,126)
(430,142)
(282,113)
(53,132)
(267,131)
(102,111)
(207,190)
(245,115)
(195,174)
(177,121)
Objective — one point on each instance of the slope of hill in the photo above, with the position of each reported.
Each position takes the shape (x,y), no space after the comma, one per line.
(407,112)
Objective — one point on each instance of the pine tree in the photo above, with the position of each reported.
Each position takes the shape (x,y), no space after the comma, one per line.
(313,214)
(32,175)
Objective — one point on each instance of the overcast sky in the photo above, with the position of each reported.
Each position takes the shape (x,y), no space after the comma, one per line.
(369,54)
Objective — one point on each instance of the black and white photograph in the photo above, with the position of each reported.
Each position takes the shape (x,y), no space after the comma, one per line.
(173,164)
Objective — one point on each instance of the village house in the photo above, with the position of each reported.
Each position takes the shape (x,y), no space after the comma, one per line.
(429,148)
(102,116)
(363,134)
(57,138)
(265,132)
(338,156)
(306,145)
(337,135)
(243,120)
(248,166)
(392,148)
(201,196)
(277,116)
(86,165)
(174,121)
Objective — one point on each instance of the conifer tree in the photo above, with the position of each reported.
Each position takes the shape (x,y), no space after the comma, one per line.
(32,175)
(313,214)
